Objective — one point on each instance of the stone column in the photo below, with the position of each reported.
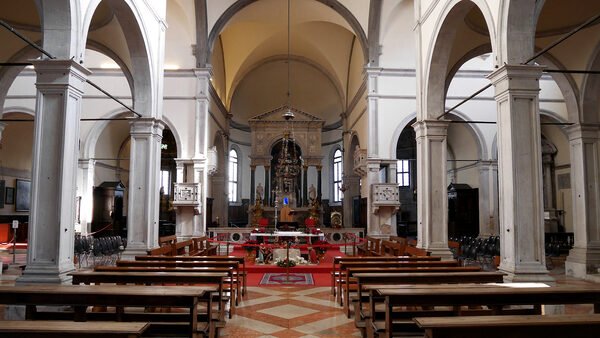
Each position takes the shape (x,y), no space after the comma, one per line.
(584,258)
(305,185)
(144,186)
(352,184)
(267,199)
(520,173)
(200,177)
(373,111)
(432,186)
(2,126)
(86,205)
(252,183)
(319,182)
(60,85)
(201,135)
(488,198)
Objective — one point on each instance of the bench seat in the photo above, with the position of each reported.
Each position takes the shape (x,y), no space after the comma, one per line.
(28,328)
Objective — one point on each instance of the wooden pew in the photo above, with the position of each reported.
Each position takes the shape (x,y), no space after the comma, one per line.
(79,297)
(184,247)
(531,326)
(233,287)
(496,297)
(167,250)
(234,265)
(335,273)
(48,328)
(352,280)
(241,261)
(204,247)
(159,278)
(389,264)
(26,329)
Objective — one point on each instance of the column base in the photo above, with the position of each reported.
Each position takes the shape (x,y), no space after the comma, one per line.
(533,272)
(582,261)
(445,253)
(35,275)
(130,253)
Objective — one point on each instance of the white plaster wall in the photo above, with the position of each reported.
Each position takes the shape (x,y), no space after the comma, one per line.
(397,35)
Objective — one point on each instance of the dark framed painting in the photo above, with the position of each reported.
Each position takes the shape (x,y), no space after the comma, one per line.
(22,195)
(9,197)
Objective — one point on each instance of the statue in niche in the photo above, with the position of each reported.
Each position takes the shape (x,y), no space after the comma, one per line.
(259,192)
(312,193)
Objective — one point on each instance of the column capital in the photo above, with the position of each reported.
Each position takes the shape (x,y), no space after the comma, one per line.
(203,72)
(86,163)
(582,130)
(431,128)
(146,125)
(60,72)
(516,78)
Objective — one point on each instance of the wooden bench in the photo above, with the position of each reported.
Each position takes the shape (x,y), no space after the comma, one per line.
(371,320)
(497,297)
(241,261)
(371,247)
(233,287)
(215,279)
(352,282)
(531,326)
(234,265)
(335,273)
(389,264)
(204,247)
(80,297)
(48,328)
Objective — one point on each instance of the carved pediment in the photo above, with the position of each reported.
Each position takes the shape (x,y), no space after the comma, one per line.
(276,115)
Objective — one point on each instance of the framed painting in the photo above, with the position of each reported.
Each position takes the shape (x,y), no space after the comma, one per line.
(22,195)
(9,197)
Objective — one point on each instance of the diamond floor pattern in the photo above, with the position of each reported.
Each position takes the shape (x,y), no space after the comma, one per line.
(289,312)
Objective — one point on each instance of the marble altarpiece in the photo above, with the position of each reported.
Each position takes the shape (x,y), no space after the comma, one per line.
(304,132)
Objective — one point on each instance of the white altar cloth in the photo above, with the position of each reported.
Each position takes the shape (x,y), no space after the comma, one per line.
(280,254)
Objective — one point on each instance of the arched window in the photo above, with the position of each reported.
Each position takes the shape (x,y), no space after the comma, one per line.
(337,176)
(233,175)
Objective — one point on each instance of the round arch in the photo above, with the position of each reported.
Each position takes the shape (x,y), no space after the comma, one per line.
(591,87)
(438,57)
(137,43)
(293,58)
(89,143)
(241,4)
(516,30)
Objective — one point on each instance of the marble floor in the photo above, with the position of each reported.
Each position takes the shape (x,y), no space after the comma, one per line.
(308,311)
(289,312)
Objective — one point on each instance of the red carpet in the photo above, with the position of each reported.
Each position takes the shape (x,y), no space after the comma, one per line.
(319,279)
(320,272)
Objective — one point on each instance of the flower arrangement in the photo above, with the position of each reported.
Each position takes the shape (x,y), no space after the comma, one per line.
(285,263)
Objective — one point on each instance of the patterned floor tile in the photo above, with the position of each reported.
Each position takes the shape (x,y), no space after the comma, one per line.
(288,311)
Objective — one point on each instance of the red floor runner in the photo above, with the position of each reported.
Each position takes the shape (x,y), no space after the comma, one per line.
(320,272)
(320,279)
